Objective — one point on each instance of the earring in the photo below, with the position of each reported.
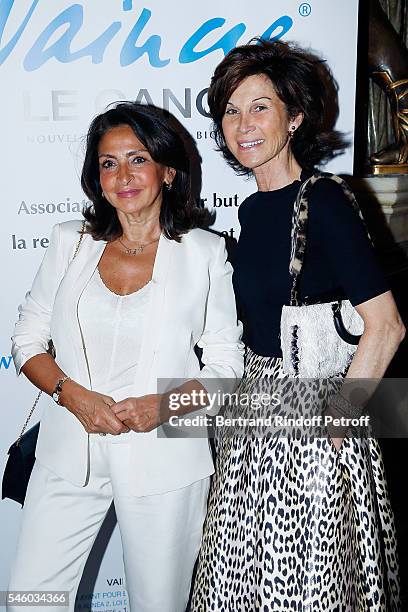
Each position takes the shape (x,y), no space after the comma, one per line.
(168,186)
(292,131)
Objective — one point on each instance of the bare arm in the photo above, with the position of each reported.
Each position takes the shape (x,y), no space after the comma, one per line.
(91,409)
(383,333)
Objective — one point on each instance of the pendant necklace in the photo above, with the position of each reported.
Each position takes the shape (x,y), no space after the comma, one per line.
(139,249)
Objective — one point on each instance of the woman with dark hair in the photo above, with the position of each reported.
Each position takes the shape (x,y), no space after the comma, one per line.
(296,521)
(125,296)
(158,132)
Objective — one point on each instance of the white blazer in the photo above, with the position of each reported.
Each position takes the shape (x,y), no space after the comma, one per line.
(191,302)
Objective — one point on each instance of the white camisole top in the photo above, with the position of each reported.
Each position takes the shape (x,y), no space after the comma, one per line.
(112,326)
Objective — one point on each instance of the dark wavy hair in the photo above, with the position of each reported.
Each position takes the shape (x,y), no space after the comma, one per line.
(303,83)
(163,137)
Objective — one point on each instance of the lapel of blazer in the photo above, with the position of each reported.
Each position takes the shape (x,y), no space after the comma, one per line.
(87,260)
(154,319)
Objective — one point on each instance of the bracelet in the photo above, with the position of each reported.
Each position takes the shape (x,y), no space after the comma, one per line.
(344,407)
(58,388)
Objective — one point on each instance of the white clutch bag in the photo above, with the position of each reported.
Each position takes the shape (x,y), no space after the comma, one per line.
(317,340)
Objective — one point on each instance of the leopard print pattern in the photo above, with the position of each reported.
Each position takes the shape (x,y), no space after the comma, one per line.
(293,524)
(299,224)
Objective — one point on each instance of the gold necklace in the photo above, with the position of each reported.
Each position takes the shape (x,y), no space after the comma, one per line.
(138,249)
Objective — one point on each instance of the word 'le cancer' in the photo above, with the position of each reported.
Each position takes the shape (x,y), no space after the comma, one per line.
(70,22)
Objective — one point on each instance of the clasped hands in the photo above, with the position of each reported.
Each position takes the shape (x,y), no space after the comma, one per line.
(141,414)
(99,413)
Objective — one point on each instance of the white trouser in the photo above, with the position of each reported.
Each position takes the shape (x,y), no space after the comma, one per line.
(160,534)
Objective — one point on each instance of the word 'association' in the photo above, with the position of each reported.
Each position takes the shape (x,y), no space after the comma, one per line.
(53,207)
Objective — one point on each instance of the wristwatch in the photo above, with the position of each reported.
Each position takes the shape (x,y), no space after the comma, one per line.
(57,391)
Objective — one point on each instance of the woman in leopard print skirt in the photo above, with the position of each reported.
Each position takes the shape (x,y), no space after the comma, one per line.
(295,522)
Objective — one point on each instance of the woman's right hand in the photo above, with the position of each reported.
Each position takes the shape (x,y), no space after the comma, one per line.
(92,409)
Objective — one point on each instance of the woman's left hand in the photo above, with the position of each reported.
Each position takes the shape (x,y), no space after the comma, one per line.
(142,414)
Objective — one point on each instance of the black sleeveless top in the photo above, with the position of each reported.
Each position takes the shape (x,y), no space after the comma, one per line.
(339,259)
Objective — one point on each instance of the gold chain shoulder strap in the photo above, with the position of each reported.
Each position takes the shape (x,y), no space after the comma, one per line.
(37,399)
(81,235)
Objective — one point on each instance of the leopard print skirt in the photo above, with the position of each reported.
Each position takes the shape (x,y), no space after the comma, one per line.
(293,524)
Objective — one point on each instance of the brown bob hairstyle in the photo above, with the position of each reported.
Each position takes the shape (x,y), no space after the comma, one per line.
(303,83)
(162,136)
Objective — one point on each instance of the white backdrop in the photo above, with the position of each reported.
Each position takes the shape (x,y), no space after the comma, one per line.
(60,64)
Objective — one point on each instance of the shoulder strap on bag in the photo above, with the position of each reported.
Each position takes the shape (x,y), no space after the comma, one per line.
(81,235)
(51,349)
(299,226)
